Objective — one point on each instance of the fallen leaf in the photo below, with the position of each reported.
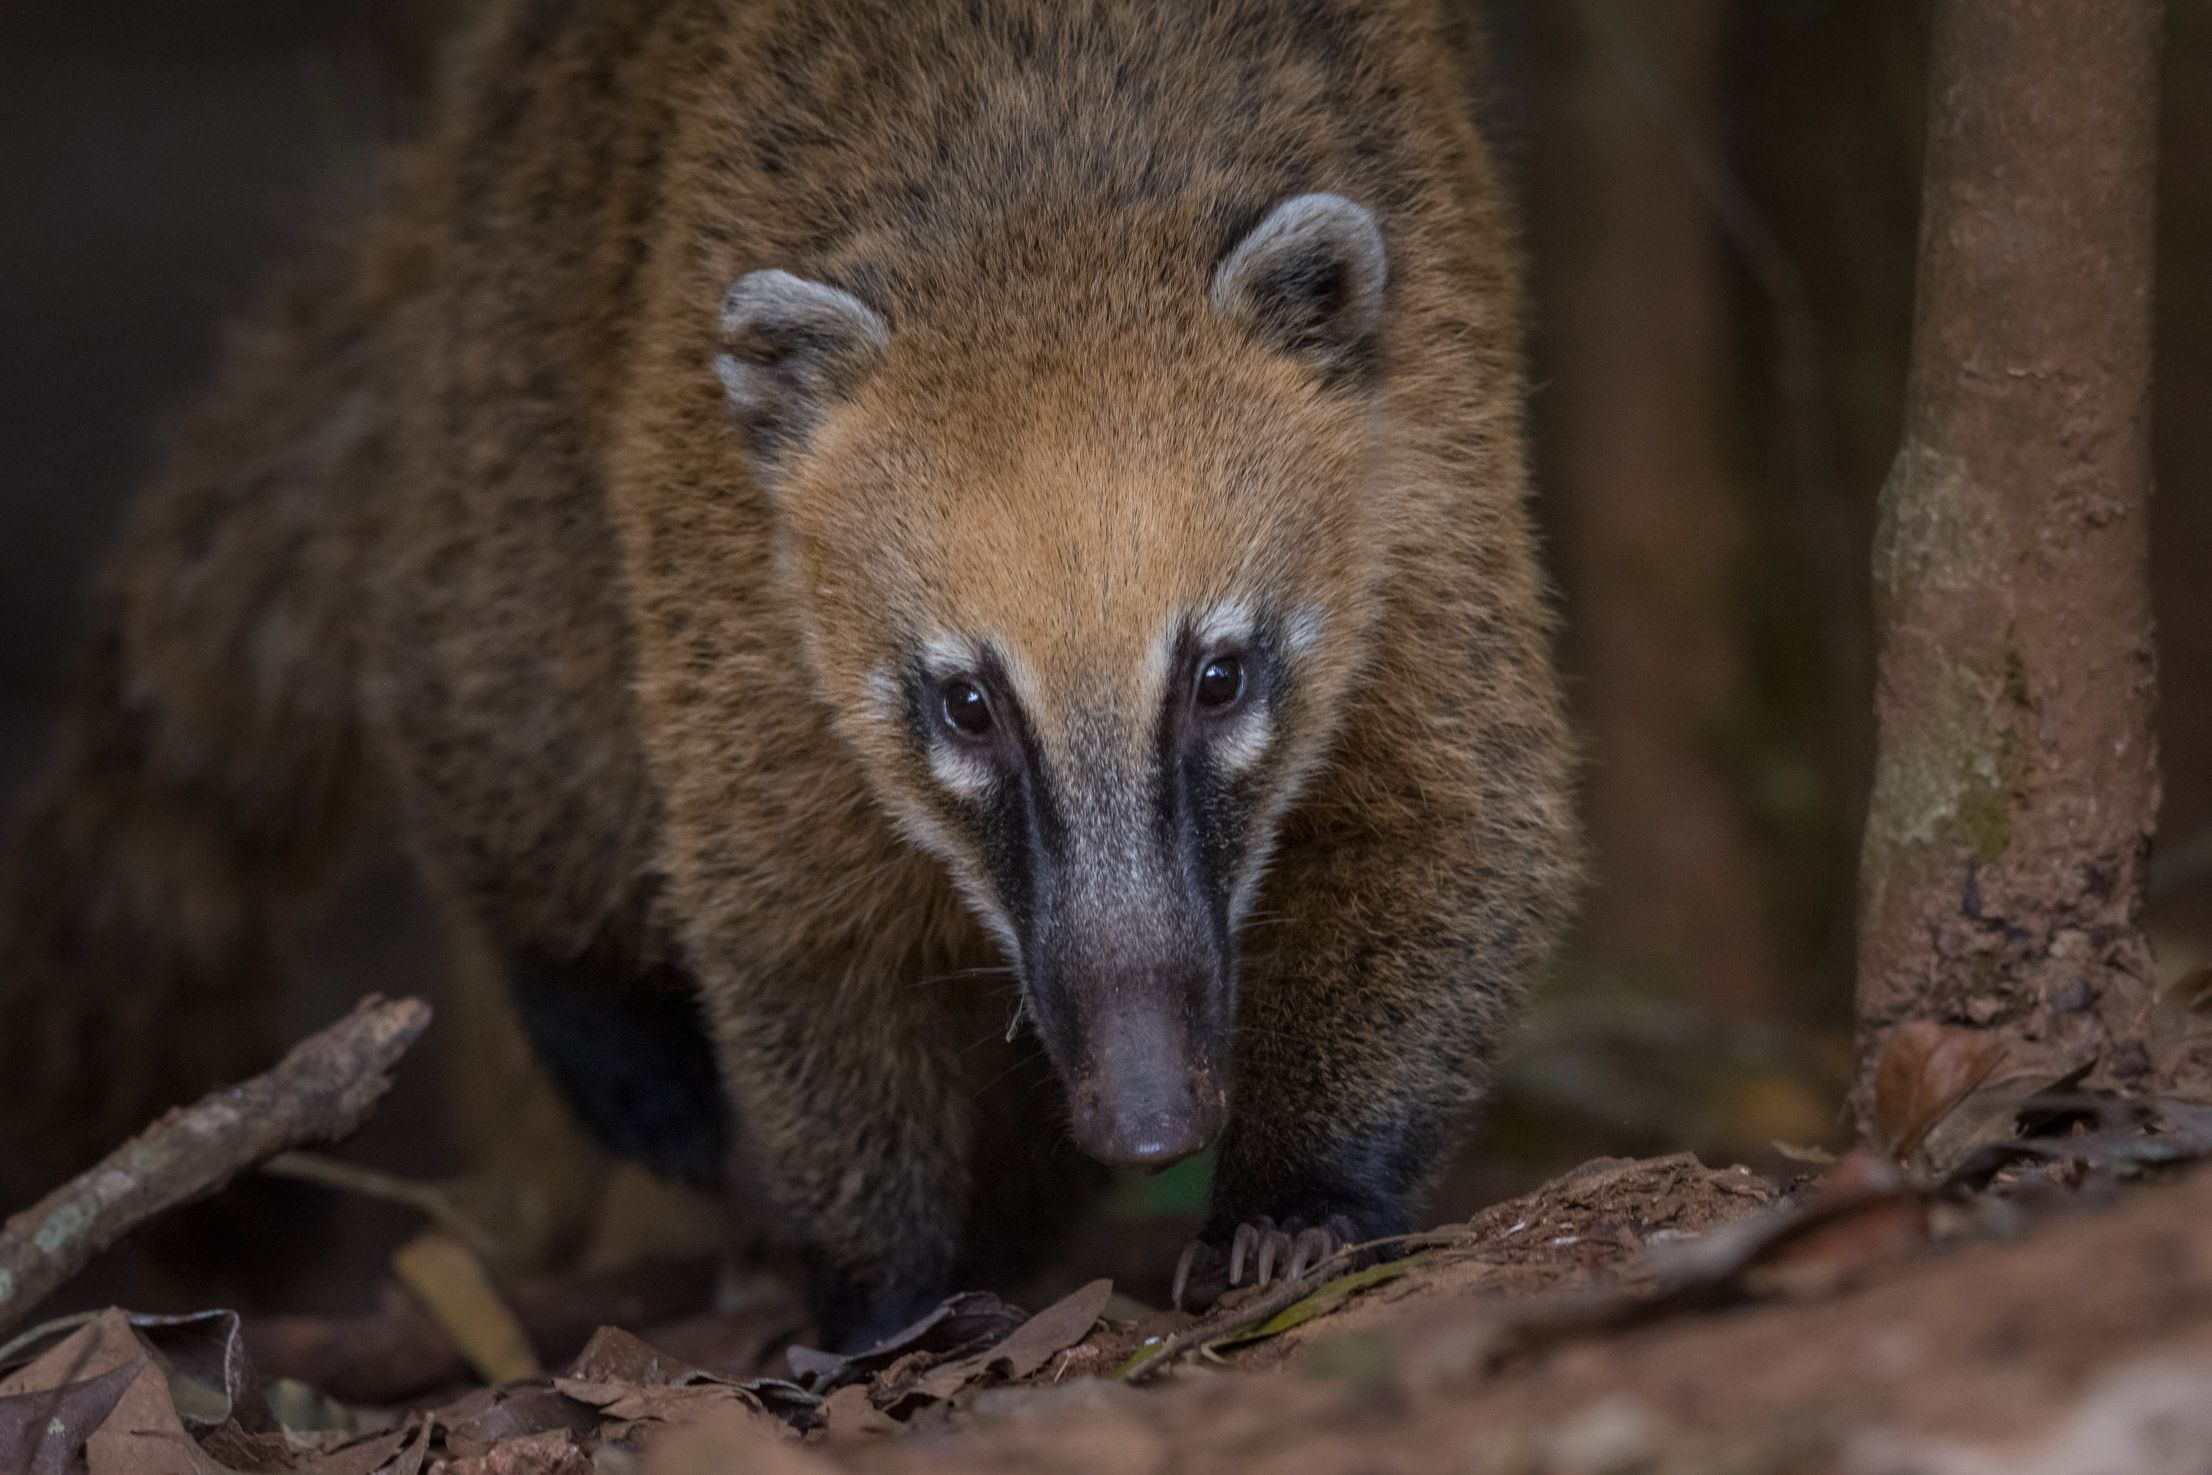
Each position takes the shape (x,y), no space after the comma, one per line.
(1326,1297)
(727,1442)
(1036,1341)
(1992,1111)
(264,1453)
(959,1324)
(42,1432)
(142,1434)
(1865,1213)
(454,1287)
(501,1414)
(1805,1153)
(849,1413)
(616,1371)
(1925,1071)
(554,1452)
(1024,1350)
(211,1379)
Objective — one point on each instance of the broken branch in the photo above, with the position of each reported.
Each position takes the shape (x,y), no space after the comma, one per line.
(322,1090)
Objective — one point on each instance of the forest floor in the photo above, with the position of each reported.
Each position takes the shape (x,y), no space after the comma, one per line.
(2039,1300)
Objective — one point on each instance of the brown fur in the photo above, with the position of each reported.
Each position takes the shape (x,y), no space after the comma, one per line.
(470,530)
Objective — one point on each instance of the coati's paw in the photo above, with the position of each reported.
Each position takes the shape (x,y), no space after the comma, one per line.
(1259,1251)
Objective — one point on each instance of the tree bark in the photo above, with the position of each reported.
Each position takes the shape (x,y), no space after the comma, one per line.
(2002,879)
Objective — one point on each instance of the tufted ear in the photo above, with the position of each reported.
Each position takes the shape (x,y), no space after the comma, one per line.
(790,348)
(1309,280)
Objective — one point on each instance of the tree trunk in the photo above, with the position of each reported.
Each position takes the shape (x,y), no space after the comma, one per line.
(2002,881)
(1634,301)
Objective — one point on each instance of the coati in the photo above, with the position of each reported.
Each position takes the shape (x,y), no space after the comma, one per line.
(833,525)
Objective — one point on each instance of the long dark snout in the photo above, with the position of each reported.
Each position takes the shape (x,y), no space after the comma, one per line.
(1128,960)
(1135,1011)
(1143,1092)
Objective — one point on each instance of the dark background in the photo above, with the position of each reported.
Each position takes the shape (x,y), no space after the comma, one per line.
(1721,200)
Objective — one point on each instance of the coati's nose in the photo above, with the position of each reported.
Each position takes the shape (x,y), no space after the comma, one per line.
(1145,1099)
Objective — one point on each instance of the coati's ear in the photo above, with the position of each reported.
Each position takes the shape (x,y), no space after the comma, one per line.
(791,348)
(1309,279)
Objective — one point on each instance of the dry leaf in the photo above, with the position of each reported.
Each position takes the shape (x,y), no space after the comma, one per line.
(453,1286)
(1027,1348)
(1926,1070)
(42,1432)
(959,1324)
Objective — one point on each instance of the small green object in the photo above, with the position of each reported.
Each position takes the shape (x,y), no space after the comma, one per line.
(1140,1357)
(1180,1192)
(1326,1297)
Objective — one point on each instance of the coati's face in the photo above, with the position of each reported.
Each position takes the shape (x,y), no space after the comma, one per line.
(1087,595)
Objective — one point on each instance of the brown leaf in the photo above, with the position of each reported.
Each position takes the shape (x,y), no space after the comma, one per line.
(254,1453)
(1991,1112)
(957,1325)
(1058,1327)
(42,1432)
(511,1413)
(725,1440)
(1926,1070)
(453,1285)
(621,1376)
(849,1413)
(1867,1215)
(616,1356)
(1027,1348)
(142,1434)
(647,1404)
(554,1452)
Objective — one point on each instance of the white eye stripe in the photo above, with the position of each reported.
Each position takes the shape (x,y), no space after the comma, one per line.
(945,655)
(1244,740)
(1230,622)
(967,774)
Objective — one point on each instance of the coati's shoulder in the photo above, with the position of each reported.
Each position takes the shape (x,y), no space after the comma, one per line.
(921,122)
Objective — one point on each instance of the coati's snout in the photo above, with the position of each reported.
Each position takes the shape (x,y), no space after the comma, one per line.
(1133,999)
(1147,1092)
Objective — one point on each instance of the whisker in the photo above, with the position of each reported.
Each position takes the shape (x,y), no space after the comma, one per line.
(997,970)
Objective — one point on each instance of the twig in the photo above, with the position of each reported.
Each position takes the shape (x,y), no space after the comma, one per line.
(1227,1321)
(322,1090)
(428,1199)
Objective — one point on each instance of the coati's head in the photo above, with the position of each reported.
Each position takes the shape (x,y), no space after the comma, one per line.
(1083,540)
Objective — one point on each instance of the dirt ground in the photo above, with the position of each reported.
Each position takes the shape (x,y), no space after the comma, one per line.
(1634,1316)
(2078,1343)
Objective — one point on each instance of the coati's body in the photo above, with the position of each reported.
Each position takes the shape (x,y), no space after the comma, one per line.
(474,531)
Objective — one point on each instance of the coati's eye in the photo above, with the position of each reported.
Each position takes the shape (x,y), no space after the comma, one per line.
(1220,683)
(967,709)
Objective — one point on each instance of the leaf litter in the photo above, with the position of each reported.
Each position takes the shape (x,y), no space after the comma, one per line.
(1631,1315)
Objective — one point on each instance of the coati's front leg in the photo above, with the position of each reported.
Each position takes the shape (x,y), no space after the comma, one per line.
(852,1117)
(1368,1014)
